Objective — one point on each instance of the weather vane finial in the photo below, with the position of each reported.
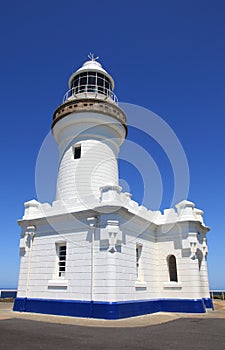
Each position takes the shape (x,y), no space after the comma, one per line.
(92,57)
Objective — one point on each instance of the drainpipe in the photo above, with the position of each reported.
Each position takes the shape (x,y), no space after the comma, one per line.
(29,241)
(93,223)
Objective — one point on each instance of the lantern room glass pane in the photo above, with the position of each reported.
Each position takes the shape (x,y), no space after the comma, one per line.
(91,82)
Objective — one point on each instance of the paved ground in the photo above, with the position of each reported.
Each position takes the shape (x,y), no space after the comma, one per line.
(154,332)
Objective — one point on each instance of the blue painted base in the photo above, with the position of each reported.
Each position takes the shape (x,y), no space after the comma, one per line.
(208,303)
(110,310)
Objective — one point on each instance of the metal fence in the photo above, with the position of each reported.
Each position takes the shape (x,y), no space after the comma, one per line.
(8,293)
(217,294)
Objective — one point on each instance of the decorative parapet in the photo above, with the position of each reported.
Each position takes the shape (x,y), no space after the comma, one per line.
(169,216)
(31,208)
(199,214)
(185,210)
(110,193)
(111,199)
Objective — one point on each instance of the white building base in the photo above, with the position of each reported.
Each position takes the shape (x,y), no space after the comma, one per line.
(122,260)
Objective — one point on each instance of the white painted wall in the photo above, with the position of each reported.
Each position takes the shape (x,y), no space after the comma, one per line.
(100,137)
(83,177)
(95,273)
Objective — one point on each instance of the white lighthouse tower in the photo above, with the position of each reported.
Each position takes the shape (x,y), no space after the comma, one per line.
(89,128)
(94,252)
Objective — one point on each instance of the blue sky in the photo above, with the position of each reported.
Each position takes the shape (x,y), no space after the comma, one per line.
(167,56)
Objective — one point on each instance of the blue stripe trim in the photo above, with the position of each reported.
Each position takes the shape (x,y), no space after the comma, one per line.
(109,310)
(208,303)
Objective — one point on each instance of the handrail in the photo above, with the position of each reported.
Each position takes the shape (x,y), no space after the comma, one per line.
(97,91)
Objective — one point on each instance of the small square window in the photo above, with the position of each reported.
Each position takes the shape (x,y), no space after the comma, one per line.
(77,152)
(61,253)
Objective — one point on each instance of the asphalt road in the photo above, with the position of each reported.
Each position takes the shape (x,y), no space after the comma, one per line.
(182,334)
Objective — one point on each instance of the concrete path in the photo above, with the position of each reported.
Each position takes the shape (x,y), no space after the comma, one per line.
(140,321)
(153,332)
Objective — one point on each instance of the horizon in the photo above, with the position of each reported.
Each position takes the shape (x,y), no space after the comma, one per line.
(167,58)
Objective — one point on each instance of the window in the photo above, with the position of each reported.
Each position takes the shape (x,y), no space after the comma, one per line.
(91,82)
(77,152)
(172,266)
(61,250)
(138,257)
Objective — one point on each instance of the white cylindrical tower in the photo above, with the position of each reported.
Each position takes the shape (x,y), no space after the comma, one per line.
(89,128)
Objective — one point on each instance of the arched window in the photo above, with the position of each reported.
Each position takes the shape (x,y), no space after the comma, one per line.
(172,267)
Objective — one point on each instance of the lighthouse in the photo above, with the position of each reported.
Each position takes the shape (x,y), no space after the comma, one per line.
(89,128)
(94,251)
